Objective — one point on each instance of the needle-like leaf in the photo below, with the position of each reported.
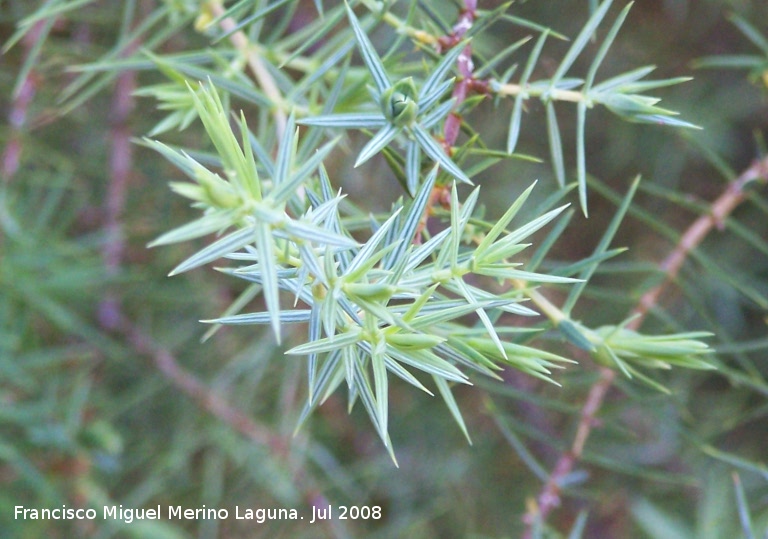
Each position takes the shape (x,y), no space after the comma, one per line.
(368,52)
(433,150)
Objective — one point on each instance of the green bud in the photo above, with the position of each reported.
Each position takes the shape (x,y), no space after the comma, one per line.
(414,341)
(602,356)
(370,291)
(399,103)
(217,193)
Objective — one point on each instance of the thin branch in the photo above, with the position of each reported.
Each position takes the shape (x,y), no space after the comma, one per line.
(441,193)
(417,34)
(259,70)
(17,116)
(466,69)
(528,91)
(719,211)
(217,406)
(120,166)
(549,498)
(196,390)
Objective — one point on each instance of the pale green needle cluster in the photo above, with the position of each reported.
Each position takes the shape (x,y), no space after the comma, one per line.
(403,111)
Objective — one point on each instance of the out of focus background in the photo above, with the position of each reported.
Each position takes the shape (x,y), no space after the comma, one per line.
(108,396)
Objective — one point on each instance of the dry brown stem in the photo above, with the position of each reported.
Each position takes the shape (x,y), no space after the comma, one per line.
(257,67)
(720,209)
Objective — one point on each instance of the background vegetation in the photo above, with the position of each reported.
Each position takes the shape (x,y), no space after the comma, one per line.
(109,397)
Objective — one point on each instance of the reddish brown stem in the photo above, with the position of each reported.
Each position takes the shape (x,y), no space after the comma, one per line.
(196,390)
(461,90)
(260,72)
(120,164)
(17,117)
(465,66)
(217,406)
(719,211)
(721,208)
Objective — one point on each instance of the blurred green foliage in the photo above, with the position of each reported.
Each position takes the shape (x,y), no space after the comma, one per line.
(92,416)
